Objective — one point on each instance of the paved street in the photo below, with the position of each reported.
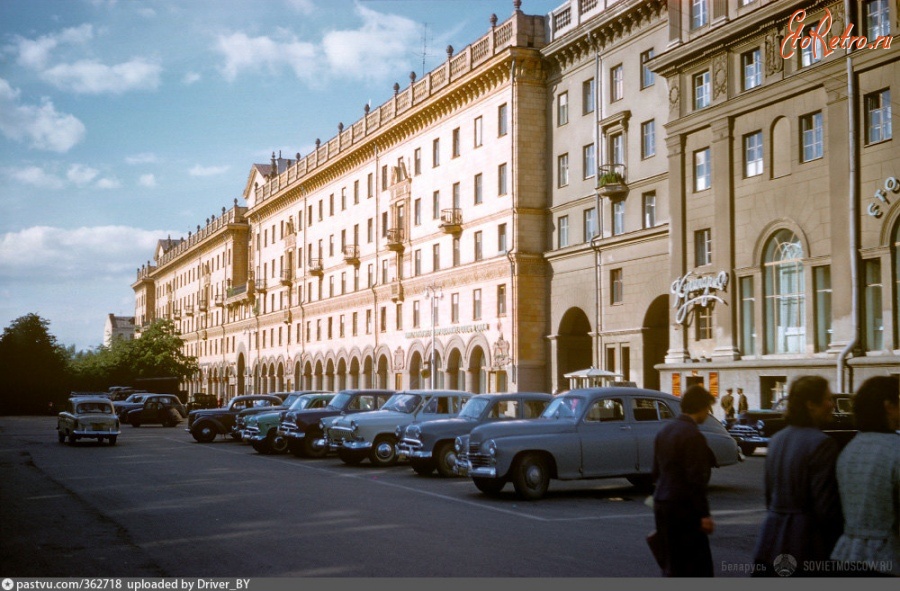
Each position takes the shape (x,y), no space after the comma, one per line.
(159,504)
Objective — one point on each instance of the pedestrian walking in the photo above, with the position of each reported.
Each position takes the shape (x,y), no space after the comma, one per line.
(804,518)
(742,401)
(727,403)
(682,462)
(868,475)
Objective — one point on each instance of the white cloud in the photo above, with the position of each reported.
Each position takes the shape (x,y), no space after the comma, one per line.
(108,183)
(147,180)
(37,177)
(302,6)
(143,158)
(242,52)
(40,126)
(191,78)
(81,175)
(198,170)
(92,77)
(147,12)
(381,47)
(35,53)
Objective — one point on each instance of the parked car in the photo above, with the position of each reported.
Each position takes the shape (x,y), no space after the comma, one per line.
(429,444)
(88,417)
(373,435)
(301,427)
(582,434)
(157,409)
(204,425)
(261,429)
(753,428)
(287,399)
(202,400)
(133,401)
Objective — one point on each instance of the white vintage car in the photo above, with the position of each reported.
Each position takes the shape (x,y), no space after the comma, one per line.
(88,418)
(374,434)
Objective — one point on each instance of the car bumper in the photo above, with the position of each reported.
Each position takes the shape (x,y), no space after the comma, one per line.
(462,467)
(412,451)
(291,434)
(483,472)
(355,445)
(95,433)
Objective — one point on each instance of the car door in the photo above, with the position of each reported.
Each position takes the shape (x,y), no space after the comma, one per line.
(648,414)
(150,412)
(608,446)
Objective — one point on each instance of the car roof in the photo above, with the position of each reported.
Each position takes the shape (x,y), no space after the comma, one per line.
(367,391)
(626,391)
(81,399)
(513,395)
(432,392)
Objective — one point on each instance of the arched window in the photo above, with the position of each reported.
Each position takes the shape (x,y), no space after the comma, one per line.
(785,291)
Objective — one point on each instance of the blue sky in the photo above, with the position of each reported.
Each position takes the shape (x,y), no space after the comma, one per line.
(122,122)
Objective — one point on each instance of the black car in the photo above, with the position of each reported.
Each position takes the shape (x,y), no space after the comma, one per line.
(429,445)
(755,427)
(301,428)
(204,425)
(157,409)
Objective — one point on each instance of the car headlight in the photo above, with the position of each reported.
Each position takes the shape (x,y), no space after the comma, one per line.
(414,431)
(491,448)
(321,425)
(760,424)
(457,445)
(353,427)
(398,432)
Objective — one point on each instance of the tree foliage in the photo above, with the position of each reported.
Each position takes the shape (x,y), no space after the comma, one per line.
(34,366)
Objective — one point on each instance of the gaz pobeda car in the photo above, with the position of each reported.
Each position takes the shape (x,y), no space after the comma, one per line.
(91,417)
(261,429)
(587,433)
(373,434)
(429,444)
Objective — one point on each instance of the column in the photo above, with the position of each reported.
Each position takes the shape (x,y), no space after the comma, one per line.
(677,352)
(724,317)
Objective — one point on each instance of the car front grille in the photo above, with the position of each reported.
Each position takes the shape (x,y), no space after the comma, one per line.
(478,460)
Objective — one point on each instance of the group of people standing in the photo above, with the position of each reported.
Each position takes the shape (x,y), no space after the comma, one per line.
(830,512)
(728,404)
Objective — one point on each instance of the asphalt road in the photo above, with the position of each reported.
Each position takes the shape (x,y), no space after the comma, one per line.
(158,504)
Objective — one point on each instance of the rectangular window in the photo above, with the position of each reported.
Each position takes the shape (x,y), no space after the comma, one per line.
(356,192)
(476,304)
(615,286)
(399,313)
(478,250)
(618,217)
(811,136)
(701,170)
(417,263)
(456,251)
(648,78)
(501,239)
(699,14)
(454,308)
(701,90)
(341,327)
(814,51)
(563,170)
(878,22)
(873,307)
(702,247)
(590,224)
(878,116)
(562,235)
(384,271)
(384,223)
(648,139)
(703,323)
(456,196)
(616,83)
(648,203)
(384,177)
(501,299)
(617,148)
(501,179)
(478,189)
(417,212)
(455,144)
(589,161)
(562,108)
(436,153)
(417,161)
(822,284)
(436,205)
(748,316)
(382,314)
(343,198)
(751,67)
(501,120)
(354,328)
(370,277)
(370,186)
(369,321)
(588,96)
(436,257)
(370,230)
(416,315)
(478,132)
(753,154)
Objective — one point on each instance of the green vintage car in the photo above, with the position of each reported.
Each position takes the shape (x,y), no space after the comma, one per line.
(88,417)
(261,429)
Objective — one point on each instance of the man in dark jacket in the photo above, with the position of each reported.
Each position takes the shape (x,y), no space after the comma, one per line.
(682,462)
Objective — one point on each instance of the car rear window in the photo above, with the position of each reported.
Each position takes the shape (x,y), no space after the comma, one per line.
(650,409)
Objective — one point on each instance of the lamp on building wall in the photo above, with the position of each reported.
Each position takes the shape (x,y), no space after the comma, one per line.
(434,293)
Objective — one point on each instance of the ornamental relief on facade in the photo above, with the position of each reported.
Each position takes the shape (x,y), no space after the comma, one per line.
(720,75)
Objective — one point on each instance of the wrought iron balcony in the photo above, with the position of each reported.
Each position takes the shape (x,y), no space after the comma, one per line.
(351,254)
(395,237)
(287,277)
(219,300)
(203,304)
(451,220)
(189,309)
(612,181)
(316,267)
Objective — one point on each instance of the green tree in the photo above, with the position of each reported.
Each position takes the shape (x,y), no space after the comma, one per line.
(35,368)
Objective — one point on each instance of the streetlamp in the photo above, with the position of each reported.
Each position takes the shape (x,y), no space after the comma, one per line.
(434,293)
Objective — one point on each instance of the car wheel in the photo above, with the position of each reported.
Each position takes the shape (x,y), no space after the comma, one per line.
(384,451)
(445,458)
(531,477)
(236,436)
(489,486)
(171,419)
(421,466)
(204,432)
(350,457)
(747,449)
(308,449)
(72,439)
(61,436)
(262,446)
(642,482)
(277,443)
(135,422)
(112,439)
(296,448)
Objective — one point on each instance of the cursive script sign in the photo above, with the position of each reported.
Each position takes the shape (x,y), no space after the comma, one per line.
(692,290)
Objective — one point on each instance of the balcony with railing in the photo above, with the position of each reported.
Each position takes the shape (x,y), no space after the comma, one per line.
(351,254)
(203,305)
(176,312)
(316,267)
(396,291)
(612,181)
(395,237)
(238,294)
(189,309)
(286,316)
(451,220)
(287,277)
(219,300)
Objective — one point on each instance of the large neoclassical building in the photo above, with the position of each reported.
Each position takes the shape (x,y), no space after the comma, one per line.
(645,187)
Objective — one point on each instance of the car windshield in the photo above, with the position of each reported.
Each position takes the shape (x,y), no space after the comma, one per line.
(405,403)
(301,402)
(473,408)
(86,407)
(564,407)
(340,401)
